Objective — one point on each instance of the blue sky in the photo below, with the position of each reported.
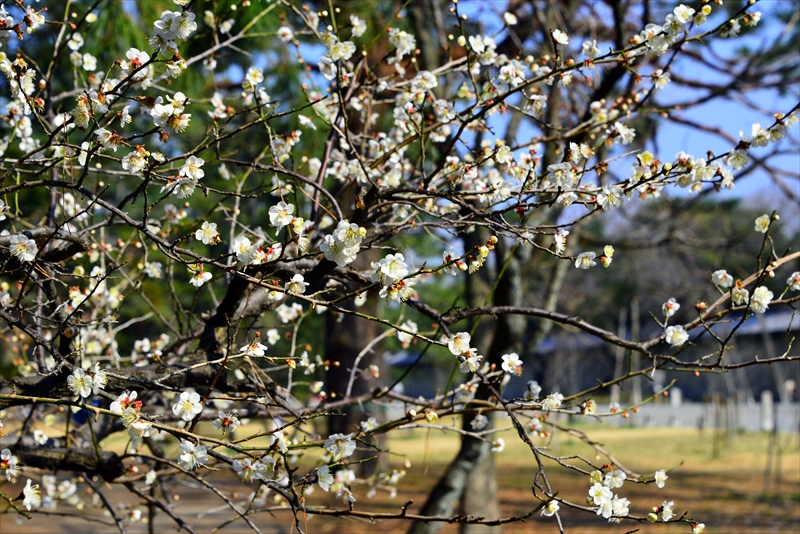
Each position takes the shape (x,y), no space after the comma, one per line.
(728,115)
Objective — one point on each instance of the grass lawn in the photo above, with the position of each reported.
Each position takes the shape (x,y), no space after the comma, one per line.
(725,491)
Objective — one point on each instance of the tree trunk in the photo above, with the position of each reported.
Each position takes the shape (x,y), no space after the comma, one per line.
(471,477)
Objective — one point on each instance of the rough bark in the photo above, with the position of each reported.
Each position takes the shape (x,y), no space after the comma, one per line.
(107,465)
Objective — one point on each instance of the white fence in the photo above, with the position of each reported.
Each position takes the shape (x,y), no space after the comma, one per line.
(751,417)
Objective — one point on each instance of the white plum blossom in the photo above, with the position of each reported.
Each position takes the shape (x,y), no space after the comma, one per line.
(670,307)
(605,508)
(479,422)
(32,498)
(585,260)
(405,338)
(512,364)
(243,249)
(345,495)
(661,79)
(188,405)
(153,269)
(459,343)
(280,215)
(759,136)
(359,26)
(737,158)
(589,48)
(123,402)
(75,41)
(676,335)
(8,464)
(135,60)
(599,493)
(23,248)
(89,62)
(250,470)
(370,424)
(560,241)
(510,19)
(794,281)
(99,379)
(296,285)
(761,299)
(610,197)
(191,455)
(390,269)
(254,349)
(625,133)
(324,477)
(533,390)
(552,402)
(721,278)
(472,361)
(560,37)
(40,437)
(762,223)
(192,168)
(340,445)
(253,77)
(207,233)
(619,506)
(561,174)
(80,383)
(342,50)
(683,13)
(199,275)
(614,479)
(404,42)
(550,508)
(661,478)
(327,67)
(285,34)
(739,296)
(666,510)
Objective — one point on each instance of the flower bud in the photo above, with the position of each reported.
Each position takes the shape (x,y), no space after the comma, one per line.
(411,414)
(652,517)
(431,416)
